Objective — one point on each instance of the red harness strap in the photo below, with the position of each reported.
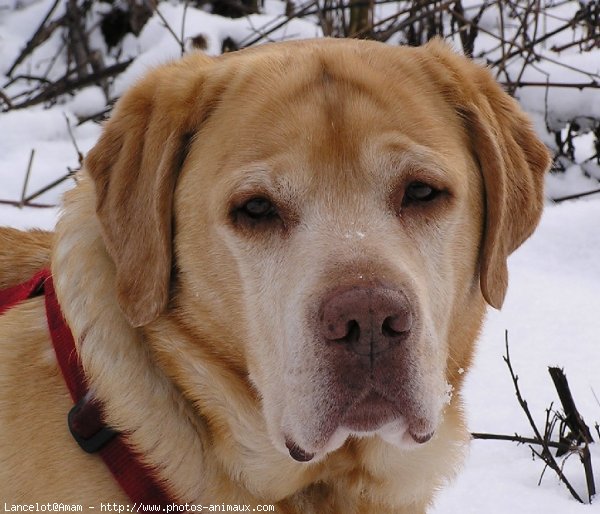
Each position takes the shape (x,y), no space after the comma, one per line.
(16,294)
(136,479)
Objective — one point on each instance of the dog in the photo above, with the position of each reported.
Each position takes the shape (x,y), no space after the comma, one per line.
(274,267)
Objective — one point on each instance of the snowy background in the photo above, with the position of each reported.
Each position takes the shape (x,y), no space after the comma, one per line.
(552,311)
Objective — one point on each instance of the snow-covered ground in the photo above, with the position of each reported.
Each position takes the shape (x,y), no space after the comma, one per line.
(552,311)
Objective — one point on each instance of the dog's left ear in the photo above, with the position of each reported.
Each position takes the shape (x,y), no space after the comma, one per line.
(513,162)
(134,167)
(511,157)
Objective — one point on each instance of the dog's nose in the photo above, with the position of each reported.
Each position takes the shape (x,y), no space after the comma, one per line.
(368,320)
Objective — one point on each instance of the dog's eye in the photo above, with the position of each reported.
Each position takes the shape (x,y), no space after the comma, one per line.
(257,208)
(254,212)
(420,192)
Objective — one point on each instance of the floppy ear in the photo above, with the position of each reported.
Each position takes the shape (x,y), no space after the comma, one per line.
(134,167)
(512,160)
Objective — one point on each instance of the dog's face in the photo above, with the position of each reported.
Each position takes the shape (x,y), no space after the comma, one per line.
(340,210)
(350,223)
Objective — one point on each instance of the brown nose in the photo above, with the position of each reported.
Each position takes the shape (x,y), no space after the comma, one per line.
(368,320)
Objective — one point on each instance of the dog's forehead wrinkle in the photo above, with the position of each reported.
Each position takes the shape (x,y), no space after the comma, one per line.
(323,77)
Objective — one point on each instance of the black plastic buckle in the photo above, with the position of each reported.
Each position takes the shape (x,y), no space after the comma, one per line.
(87,427)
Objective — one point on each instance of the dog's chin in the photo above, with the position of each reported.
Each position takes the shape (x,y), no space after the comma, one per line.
(372,416)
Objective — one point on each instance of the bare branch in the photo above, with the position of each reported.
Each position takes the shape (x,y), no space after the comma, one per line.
(64,85)
(27,175)
(42,33)
(574,196)
(520,440)
(545,454)
(79,154)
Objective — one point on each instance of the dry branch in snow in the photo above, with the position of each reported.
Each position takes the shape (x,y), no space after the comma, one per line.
(574,436)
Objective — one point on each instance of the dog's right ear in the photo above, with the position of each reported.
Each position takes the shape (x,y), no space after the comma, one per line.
(134,167)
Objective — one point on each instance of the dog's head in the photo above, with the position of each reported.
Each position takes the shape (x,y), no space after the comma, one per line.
(329,216)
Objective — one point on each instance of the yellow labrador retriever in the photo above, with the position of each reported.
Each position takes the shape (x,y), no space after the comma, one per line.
(274,266)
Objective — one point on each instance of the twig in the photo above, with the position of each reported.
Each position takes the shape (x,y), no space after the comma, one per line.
(573,418)
(182,41)
(167,26)
(591,37)
(49,186)
(27,175)
(27,77)
(574,196)
(79,154)
(520,440)
(39,36)
(5,99)
(595,396)
(586,460)
(577,85)
(15,203)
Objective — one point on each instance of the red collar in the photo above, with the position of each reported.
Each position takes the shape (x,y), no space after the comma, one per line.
(136,479)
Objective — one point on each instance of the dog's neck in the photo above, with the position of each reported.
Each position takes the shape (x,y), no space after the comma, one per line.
(176,433)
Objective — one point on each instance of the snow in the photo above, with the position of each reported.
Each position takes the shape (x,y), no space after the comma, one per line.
(551,311)
(26,219)
(88,102)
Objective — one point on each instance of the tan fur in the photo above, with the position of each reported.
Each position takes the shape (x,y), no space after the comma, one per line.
(31,250)
(196,331)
